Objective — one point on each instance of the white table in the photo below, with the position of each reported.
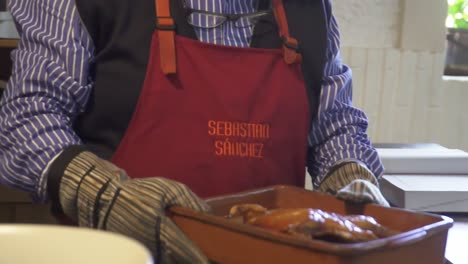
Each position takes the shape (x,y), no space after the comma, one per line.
(457,243)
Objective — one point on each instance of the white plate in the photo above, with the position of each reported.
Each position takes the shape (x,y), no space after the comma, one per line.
(48,244)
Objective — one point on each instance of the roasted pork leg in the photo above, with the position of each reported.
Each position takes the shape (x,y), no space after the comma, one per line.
(312,223)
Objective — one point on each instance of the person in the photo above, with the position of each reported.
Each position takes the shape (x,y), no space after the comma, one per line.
(117,110)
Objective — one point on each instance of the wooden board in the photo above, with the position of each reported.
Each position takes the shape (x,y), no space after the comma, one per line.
(8,43)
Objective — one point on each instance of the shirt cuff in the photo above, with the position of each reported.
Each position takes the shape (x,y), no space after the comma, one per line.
(54,173)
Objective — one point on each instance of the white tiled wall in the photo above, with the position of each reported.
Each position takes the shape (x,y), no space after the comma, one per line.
(369,23)
(401,89)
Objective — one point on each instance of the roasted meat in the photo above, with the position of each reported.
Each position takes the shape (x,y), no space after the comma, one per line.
(312,223)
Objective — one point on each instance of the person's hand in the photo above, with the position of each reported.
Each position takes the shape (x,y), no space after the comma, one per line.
(97,194)
(137,209)
(362,191)
(353,182)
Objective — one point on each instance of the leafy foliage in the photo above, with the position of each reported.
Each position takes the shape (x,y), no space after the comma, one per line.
(457,14)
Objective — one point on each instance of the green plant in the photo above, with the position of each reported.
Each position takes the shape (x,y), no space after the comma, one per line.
(457,14)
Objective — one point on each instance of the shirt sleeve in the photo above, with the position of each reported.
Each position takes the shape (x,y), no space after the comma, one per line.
(338,134)
(48,88)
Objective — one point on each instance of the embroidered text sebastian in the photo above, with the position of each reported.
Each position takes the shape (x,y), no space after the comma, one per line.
(235,138)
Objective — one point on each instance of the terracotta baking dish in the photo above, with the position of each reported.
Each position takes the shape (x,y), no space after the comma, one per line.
(225,241)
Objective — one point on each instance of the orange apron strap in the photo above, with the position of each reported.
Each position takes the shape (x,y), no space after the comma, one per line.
(166,32)
(290,45)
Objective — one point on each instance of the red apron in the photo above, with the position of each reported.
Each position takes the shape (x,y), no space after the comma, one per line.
(219,119)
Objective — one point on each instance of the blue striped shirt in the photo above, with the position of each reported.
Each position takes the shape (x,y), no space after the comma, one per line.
(50,86)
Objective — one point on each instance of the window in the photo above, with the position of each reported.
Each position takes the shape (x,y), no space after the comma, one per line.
(456,61)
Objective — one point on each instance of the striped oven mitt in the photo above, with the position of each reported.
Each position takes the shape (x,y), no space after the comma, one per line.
(97,194)
(353,181)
